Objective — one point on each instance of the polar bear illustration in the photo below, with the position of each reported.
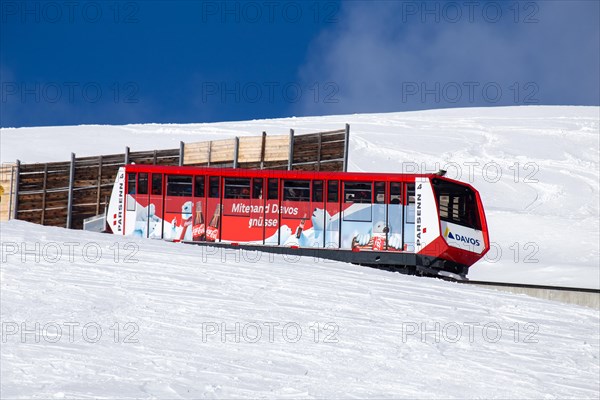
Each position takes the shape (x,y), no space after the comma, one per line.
(147,223)
(379,229)
(313,237)
(283,233)
(183,232)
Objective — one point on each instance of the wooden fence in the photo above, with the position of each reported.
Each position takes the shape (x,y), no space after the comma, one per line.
(65,193)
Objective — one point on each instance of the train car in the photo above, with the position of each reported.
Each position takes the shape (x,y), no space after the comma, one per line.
(416,223)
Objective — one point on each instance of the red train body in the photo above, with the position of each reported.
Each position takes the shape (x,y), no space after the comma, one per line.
(422,223)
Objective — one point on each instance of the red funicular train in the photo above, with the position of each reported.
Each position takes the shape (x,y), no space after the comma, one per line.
(422,223)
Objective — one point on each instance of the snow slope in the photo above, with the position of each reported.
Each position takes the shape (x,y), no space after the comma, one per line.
(536,167)
(389,335)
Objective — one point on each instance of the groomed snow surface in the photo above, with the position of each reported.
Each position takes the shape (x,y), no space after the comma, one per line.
(101,316)
(179,321)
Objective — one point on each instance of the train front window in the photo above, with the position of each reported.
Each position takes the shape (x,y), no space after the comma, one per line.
(457,204)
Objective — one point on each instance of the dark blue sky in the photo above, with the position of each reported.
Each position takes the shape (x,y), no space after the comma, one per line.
(117,62)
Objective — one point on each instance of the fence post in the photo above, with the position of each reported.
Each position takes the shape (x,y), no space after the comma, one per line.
(236,152)
(209,152)
(181,150)
(262,150)
(99,189)
(126,155)
(319,151)
(70,199)
(346,148)
(291,151)
(44,188)
(17,172)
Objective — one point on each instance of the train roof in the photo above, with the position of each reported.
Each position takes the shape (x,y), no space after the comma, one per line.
(275,173)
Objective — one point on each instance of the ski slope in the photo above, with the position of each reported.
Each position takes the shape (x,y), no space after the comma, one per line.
(158,320)
(536,167)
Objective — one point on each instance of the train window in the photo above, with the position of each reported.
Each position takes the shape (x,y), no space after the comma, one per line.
(410,210)
(332,191)
(358,192)
(157,184)
(199,186)
(380,192)
(273,193)
(213,187)
(296,190)
(179,185)
(317,194)
(131,183)
(456,204)
(237,188)
(395,193)
(142,183)
(257,188)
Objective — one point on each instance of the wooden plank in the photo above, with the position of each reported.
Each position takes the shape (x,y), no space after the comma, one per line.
(276,148)
(250,149)
(195,153)
(222,151)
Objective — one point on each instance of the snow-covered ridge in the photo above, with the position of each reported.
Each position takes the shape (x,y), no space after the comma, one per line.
(100,316)
(537,169)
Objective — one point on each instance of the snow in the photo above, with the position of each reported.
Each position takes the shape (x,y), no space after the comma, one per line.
(536,167)
(380,334)
(182,321)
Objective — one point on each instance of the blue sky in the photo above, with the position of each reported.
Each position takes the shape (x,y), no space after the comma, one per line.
(118,62)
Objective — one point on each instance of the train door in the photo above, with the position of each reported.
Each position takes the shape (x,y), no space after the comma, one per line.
(237,215)
(409,217)
(271,213)
(214,209)
(379,229)
(257,211)
(144,212)
(131,206)
(295,211)
(143,209)
(178,220)
(317,219)
(156,207)
(395,218)
(332,215)
(199,224)
(357,216)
